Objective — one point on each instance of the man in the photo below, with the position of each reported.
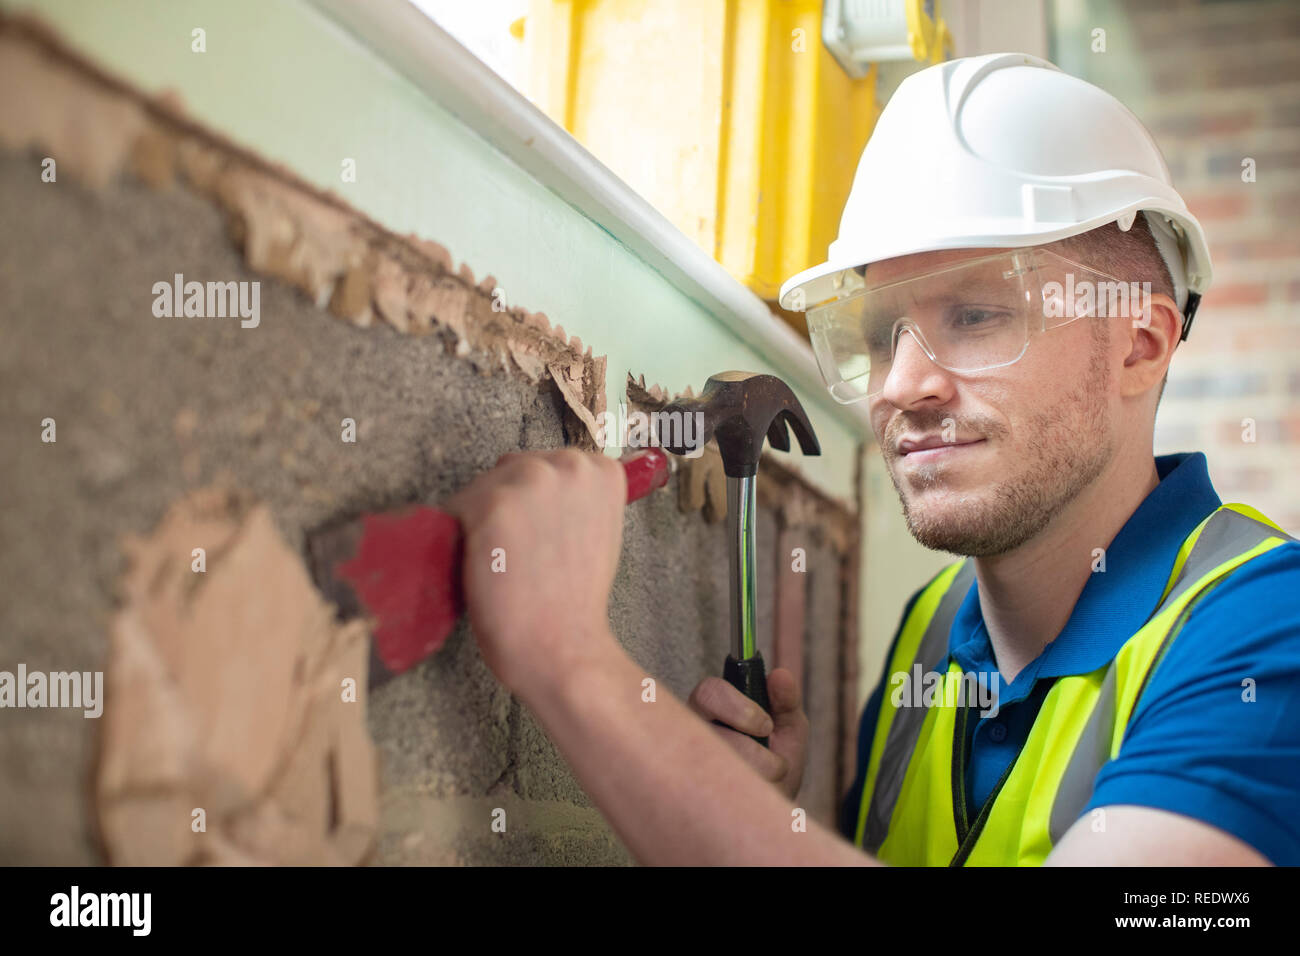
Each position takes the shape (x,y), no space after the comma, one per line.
(1111,676)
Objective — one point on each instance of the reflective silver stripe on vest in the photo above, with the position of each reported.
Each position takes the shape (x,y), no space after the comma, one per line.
(1226,535)
(900,743)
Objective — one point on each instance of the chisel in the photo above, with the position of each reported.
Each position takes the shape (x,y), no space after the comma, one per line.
(402,570)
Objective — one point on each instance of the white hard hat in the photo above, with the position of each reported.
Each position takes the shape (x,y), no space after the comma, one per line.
(1004,150)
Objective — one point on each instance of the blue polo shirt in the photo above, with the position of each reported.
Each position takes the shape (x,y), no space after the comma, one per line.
(1195,746)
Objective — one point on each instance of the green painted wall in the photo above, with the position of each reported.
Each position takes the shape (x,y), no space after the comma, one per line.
(281,78)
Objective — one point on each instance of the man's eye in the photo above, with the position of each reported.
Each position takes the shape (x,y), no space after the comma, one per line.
(971,319)
(878,337)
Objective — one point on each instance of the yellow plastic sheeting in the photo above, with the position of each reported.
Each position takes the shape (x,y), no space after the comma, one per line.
(729,116)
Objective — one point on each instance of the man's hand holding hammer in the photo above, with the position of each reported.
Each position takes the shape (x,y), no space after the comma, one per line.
(557,518)
(677,789)
(671,789)
(782,762)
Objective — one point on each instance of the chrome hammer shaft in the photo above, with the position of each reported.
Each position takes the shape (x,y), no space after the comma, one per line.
(741,516)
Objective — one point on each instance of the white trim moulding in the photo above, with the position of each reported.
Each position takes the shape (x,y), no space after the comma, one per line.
(432,59)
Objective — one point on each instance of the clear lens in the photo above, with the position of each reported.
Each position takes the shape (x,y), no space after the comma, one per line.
(1070,290)
(967,317)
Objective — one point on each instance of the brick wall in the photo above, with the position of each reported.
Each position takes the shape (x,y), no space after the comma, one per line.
(1218,83)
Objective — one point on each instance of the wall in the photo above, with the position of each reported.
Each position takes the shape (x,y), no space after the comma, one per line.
(152,409)
(343,100)
(1217,83)
(422,169)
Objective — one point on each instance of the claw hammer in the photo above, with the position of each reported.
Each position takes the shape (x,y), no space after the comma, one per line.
(740,409)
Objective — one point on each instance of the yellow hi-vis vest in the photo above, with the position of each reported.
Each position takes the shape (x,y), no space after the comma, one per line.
(914,810)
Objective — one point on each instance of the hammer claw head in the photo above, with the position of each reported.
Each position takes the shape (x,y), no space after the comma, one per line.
(741,408)
(777,436)
(803,431)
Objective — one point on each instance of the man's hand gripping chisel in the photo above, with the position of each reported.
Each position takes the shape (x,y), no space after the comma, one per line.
(739,410)
(402,570)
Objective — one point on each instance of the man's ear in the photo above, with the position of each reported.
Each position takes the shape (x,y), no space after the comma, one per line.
(1152,337)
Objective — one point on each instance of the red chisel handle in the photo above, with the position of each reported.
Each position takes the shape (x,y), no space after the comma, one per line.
(403,570)
(646,470)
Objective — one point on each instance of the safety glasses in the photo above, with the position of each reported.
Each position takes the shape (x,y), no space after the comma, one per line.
(972,316)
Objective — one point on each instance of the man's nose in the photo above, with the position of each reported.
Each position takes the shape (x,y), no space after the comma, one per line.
(913,376)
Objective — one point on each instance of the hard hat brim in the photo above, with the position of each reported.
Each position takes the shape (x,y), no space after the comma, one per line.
(818,284)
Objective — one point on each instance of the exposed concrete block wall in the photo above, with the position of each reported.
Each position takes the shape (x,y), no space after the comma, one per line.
(150,408)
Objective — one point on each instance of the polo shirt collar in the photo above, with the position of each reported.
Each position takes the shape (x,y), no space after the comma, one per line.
(1114,603)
